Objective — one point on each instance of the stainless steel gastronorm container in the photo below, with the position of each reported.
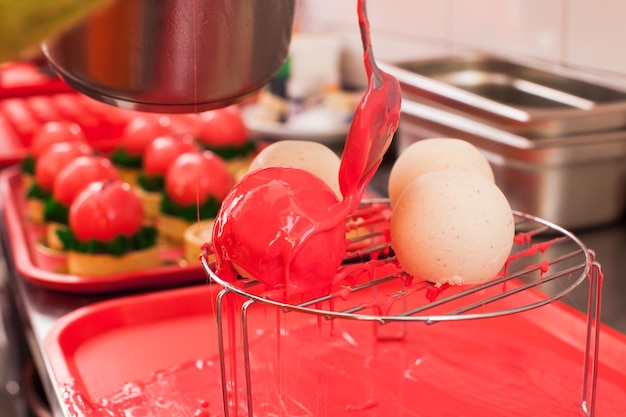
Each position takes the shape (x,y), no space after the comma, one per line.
(523,96)
(575,181)
(556,138)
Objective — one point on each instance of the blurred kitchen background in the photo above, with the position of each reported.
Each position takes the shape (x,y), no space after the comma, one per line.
(587,36)
(580,33)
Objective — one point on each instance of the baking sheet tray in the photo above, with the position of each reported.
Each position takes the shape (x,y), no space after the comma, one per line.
(156,355)
(44,269)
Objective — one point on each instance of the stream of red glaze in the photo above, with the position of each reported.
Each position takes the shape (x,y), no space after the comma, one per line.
(284,226)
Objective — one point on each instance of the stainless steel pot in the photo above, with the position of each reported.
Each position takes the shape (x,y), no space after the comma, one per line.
(174,56)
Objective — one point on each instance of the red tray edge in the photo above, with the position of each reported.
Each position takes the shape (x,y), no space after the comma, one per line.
(10,157)
(54,349)
(51,86)
(167,275)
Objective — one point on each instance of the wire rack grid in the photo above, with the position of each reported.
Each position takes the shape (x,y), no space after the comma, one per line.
(544,256)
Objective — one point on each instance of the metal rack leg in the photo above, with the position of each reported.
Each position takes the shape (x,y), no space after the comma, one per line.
(590,366)
(227,383)
(246,354)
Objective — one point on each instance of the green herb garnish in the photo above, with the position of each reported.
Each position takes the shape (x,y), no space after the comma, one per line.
(27,165)
(143,239)
(232,151)
(152,183)
(206,210)
(55,211)
(122,158)
(35,191)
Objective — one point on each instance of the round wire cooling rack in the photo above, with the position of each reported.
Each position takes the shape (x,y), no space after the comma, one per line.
(546,263)
(544,256)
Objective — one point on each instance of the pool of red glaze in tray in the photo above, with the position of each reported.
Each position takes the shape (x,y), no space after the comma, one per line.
(156,355)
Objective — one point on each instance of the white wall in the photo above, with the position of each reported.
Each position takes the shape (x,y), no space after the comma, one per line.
(587,34)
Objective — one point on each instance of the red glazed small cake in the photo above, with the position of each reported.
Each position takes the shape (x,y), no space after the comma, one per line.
(70,181)
(137,135)
(49,165)
(48,134)
(195,185)
(223,131)
(157,158)
(107,233)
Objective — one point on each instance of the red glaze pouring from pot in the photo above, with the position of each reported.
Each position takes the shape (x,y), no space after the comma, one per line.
(284,226)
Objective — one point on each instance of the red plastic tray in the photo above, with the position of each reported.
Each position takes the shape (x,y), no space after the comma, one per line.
(29,99)
(19,79)
(156,355)
(43,269)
